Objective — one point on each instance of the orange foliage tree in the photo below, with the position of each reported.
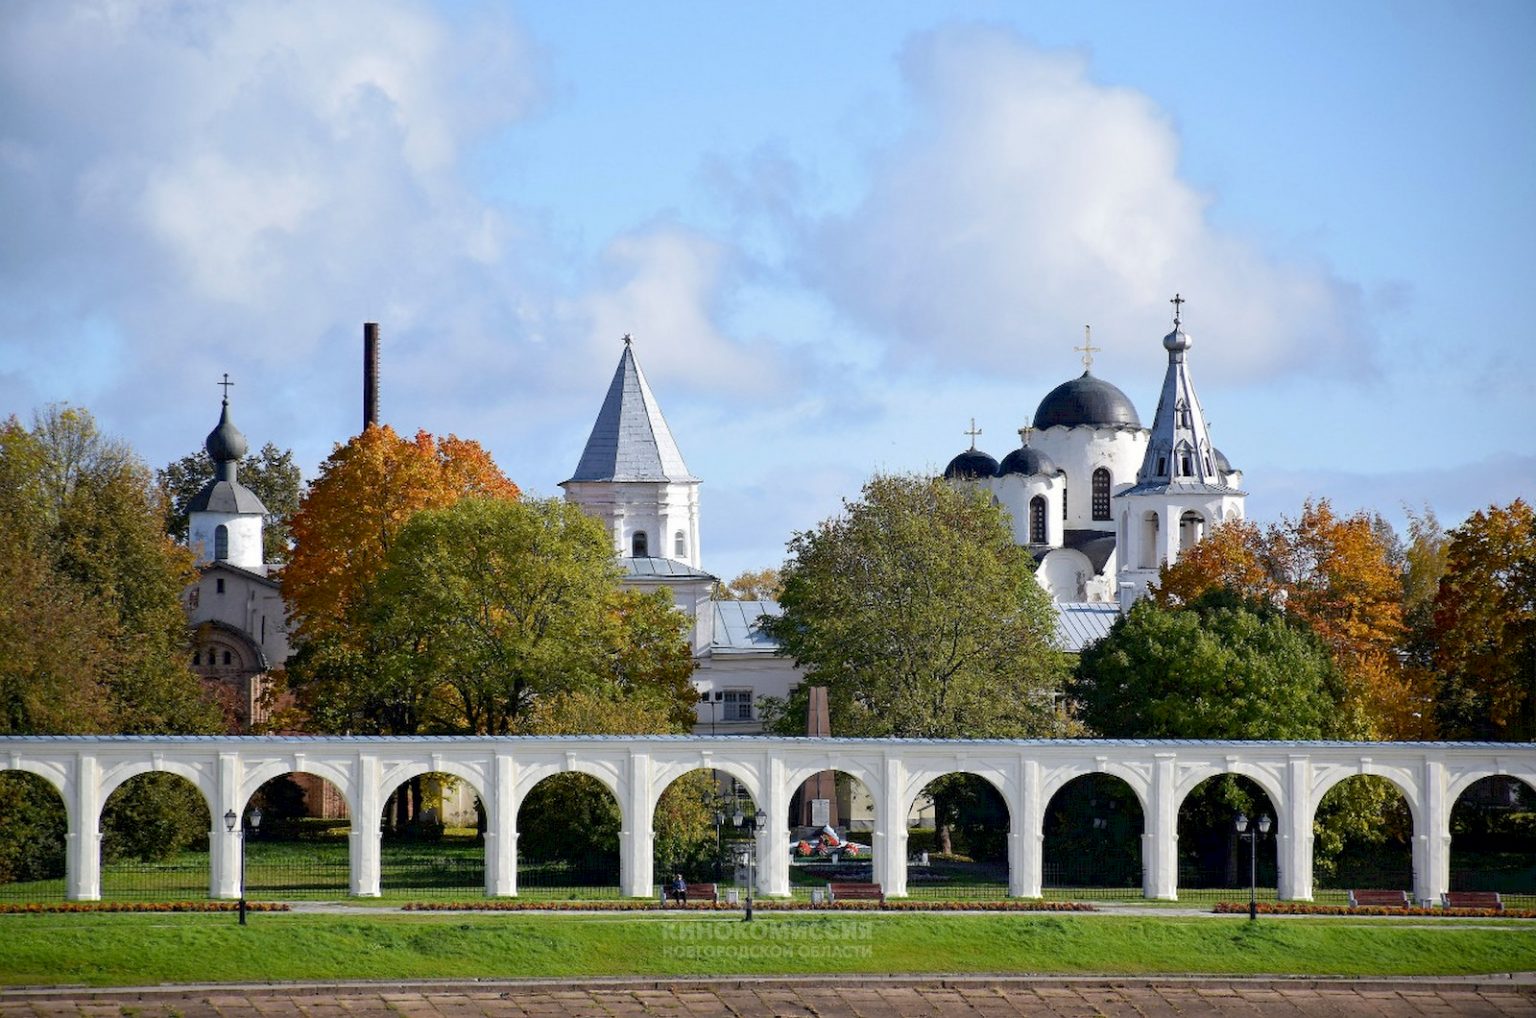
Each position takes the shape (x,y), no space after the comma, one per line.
(367,491)
(1337,575)
(1484,631)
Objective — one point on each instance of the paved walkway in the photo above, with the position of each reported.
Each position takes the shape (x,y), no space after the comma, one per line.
(853,997)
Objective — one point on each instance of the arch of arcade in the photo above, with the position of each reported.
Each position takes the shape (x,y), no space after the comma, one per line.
(1294,775)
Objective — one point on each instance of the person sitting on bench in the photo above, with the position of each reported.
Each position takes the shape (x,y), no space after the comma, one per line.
(679,889)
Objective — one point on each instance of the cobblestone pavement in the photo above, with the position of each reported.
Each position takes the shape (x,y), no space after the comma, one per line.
(849,998)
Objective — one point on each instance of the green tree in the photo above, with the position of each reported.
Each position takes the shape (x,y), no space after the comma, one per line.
(1485,627)
(921,617)
(1220,668)
(751,585)
(93,576)
(269,472)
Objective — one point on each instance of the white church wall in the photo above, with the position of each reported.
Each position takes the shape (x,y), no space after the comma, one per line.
(244,538)
(1079,452)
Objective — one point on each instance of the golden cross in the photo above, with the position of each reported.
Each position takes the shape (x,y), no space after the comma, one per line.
(1087,349)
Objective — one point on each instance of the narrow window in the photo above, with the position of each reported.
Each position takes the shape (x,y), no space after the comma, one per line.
(1184,470)
(1162,466)
(1037,520)
(197,657)
(637,545)
(218,585)
(1101,494)
(679,545)
(226,657)
(221,542)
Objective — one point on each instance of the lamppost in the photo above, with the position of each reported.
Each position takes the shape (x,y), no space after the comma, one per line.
(1252,837)
(229,825)
(749,824)
(719,823)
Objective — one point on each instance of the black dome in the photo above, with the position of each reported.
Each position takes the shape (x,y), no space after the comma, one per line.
(1086,401)
(1027,461)
(970,464)
(225,443)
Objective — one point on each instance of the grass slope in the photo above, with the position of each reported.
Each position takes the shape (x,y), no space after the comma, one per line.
(137,949)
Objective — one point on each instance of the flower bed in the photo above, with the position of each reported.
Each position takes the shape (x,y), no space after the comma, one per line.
(1307,908)
(141,906)
(759,905)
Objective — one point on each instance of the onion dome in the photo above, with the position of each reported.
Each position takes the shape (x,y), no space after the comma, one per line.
(1223,465)
(970,465)
(1086,401)
(225,442)
(1027,461)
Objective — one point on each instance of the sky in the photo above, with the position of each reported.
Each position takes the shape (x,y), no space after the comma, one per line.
(837,232)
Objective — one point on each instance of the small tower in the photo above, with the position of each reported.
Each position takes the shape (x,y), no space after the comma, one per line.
(1184,486)
(632,477)
(225,519)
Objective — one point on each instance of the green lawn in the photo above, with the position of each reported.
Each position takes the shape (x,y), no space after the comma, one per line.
(137,949)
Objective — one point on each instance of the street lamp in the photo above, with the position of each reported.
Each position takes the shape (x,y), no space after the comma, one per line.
(719,823)
(749,824)
(1252,837)
(229,825)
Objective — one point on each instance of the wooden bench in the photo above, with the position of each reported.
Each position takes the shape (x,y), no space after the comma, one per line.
(1473,899)
(695,892)
(1384,899)
(855,892)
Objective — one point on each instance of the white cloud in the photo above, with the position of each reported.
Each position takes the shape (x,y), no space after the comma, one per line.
(1028,200)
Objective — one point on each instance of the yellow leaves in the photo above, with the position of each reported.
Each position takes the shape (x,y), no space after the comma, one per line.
(366,492)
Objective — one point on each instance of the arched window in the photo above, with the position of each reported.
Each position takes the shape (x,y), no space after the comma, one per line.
(638,546)
(1037,520)
(1101,494)
(221,542)
(679,545)
(227,658)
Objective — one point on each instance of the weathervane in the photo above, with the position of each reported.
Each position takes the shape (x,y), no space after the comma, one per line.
(1177,302)
(1087,349)
(226,384)
(973,433)
(628,339)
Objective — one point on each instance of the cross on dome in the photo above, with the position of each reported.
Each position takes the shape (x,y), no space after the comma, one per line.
(1177,303)
(973,432)
(226,384)
(1088,349)
(628,339)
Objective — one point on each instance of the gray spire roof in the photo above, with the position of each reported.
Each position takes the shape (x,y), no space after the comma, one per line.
(1179,454)
(631,440)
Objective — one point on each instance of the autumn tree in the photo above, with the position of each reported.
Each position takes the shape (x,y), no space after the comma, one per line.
(365,493)
(90,588)
(751,585)
(270,473)
(1337,575)
(921,616)
(1485,627)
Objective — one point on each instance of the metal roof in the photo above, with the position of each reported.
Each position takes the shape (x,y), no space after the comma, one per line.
(663,568)
(219,496)
(736,625)
(631,440)
(1086,400)
(1080,623)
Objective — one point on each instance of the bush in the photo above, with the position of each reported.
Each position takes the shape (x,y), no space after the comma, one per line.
(32,836)
(151,817)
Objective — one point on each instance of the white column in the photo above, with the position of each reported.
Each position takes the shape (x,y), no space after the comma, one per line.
(501,830)
(224,845)
(1432,845)
(82,857)
(1026,833)
(365,828)
(1160,843)
(773,856)
(1293,831)
(637,839)
(891,831)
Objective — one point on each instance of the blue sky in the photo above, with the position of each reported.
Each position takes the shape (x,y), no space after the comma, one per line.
(837,232)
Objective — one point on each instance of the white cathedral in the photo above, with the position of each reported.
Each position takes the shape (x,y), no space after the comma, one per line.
(1099,500)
